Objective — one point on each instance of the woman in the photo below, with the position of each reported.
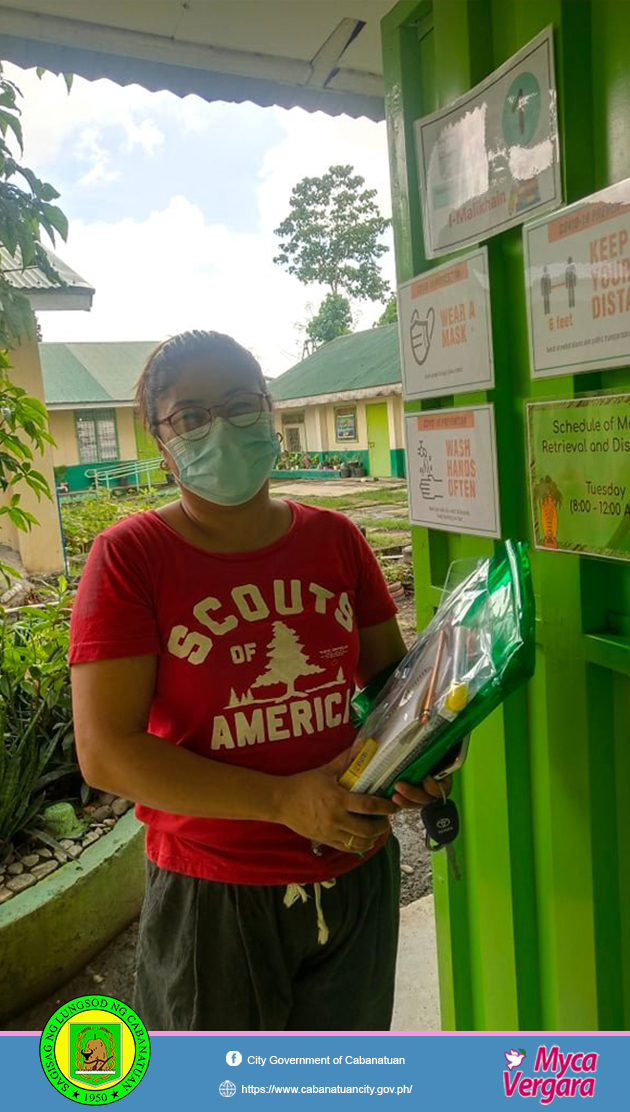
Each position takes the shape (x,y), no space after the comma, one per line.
(215,646)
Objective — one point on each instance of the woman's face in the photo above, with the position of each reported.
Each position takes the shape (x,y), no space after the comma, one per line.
(224,389)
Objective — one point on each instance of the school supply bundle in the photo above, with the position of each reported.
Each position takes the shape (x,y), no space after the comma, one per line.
(478,649)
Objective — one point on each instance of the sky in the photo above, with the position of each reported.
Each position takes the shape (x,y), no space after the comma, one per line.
(173,203)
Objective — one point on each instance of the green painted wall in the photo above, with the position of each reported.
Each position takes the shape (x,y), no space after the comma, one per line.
(398,463)
(536,934)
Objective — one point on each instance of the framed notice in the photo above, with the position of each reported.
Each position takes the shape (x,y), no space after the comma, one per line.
(445,329)
(577,274)
(579,472)
(452,470)
(346,423)
(491,159)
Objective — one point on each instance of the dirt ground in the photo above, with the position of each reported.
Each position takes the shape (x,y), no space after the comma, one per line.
(113,970)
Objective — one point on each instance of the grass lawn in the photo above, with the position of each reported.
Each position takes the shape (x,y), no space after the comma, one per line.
(85,518)
(389,496)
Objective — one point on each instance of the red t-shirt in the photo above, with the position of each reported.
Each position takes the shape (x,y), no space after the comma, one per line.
(257,658)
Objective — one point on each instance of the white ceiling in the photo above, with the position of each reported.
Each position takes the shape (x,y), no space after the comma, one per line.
(314,53)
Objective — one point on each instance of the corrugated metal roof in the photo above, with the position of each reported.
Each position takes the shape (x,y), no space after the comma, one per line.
(38,287)
(355,362)
(319,56)
(32,278)
(89,373)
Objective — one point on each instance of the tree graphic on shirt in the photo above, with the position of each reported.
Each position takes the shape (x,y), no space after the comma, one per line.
(286,660)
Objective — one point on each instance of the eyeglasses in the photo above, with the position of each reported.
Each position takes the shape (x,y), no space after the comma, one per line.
(193,422)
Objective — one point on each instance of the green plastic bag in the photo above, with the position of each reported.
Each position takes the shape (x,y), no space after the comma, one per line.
(479,647)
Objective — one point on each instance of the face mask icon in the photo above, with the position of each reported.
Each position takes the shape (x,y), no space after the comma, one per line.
(421,334)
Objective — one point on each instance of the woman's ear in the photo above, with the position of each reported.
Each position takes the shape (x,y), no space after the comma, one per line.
(167,463)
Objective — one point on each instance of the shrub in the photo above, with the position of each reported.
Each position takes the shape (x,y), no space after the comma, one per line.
(37,755)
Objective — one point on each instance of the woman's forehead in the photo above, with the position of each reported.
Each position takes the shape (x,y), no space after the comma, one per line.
(208,383)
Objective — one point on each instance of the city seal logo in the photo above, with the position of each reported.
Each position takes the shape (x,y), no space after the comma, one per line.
(95,1043)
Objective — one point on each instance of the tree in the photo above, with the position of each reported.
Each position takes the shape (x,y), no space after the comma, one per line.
(389,314)
(332,235)
(25,211)
(286,660)
(334,318)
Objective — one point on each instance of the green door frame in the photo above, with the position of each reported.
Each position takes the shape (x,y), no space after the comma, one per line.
(536,935)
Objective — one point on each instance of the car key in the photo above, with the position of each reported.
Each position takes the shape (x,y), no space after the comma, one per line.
(441,822)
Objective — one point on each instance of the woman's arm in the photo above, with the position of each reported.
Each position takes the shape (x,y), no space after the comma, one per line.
(380,646)
(111,702)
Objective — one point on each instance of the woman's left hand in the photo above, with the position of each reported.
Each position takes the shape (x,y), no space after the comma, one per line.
(418,795)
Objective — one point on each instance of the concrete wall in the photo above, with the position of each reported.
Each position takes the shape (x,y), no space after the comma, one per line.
(319,429)
(62,428)
(40,550)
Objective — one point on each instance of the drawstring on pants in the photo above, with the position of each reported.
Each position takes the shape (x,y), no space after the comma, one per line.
(296,892)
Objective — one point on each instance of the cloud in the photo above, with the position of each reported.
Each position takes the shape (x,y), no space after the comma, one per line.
(312,143)
(174,271)
(172,268)
(52,117)
(89,149)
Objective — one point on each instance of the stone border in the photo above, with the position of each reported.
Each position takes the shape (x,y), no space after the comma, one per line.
(34,861)
(58,925)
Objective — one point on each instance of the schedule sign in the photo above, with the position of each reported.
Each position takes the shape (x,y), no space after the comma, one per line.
(579,463)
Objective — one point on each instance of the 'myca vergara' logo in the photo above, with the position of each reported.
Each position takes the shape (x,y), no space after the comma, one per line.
(580,1083)
(96,1043)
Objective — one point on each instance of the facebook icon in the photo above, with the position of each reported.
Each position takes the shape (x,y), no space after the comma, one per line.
(233,1058)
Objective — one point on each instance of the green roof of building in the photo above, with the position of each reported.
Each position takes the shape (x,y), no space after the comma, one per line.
(355,362)
(80,374)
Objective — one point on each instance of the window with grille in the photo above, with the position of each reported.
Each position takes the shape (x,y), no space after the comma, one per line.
(96,435)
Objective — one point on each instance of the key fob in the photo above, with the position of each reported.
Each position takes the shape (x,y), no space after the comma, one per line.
(441,822)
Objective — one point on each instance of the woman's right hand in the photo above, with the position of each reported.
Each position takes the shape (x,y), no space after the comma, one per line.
(314,805)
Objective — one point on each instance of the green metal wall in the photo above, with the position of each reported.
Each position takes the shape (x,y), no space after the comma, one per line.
(536,935)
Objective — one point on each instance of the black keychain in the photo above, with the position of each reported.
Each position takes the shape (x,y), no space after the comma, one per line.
(441,822)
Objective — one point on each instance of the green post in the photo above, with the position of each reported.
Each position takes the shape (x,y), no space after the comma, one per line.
(536,935)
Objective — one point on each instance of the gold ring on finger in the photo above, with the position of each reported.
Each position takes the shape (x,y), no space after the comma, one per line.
(349,842)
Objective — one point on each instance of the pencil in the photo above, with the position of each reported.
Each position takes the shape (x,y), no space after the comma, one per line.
(427,704)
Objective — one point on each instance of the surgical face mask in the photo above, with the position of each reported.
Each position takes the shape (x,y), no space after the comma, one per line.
(229,465)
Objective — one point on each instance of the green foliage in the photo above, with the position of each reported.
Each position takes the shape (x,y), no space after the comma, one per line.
(391,495)
(83,519)
(389,314)
(25,212)
(37,740)
(546,488)
(383,524)
(334,318)
(332,235)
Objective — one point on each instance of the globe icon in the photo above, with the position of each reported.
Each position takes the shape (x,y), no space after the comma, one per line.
(227,1089)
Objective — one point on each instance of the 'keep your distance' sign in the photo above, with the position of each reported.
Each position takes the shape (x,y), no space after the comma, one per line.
(577,274)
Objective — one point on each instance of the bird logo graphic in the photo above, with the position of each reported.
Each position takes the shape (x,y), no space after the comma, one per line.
(514,1058)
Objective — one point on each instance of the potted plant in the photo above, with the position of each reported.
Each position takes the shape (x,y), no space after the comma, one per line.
(357,470)
(345,469)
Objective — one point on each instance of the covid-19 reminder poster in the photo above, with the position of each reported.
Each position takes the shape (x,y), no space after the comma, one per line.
(577,275)
(452,470)
(490,160)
